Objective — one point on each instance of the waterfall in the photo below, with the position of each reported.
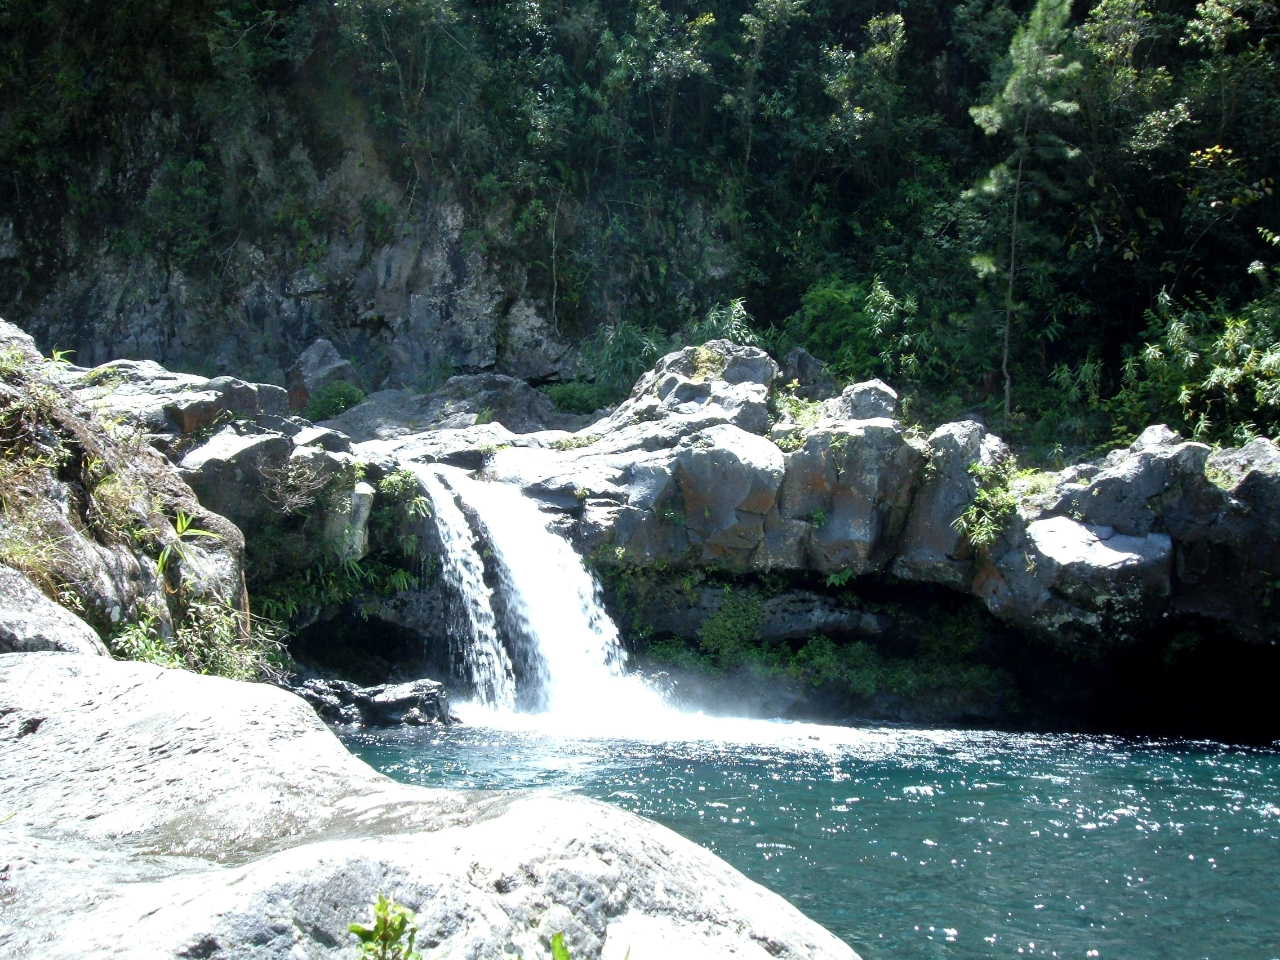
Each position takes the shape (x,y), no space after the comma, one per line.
(556,625)
(551,635)
(476,635)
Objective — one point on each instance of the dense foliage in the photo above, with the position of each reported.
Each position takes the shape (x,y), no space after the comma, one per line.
(1061,212)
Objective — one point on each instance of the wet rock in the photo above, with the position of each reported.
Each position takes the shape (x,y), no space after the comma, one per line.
(414,703)
(1062,575)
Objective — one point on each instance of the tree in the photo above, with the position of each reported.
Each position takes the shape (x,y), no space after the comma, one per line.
(1026,111)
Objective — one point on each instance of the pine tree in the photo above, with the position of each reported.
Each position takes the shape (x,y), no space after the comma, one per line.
(1027,110)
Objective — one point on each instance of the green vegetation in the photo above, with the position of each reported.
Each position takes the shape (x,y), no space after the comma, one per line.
(944,663)
(210,637)
(332,399)
(579,396)
(1062,215)
(392,935)
(789,406)
(993,503)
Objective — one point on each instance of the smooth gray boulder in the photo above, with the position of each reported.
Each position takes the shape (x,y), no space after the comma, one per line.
(1065,574)
(1125,491)
(868,400)
(231,473)
(30,621)
(414,703)
(177,815)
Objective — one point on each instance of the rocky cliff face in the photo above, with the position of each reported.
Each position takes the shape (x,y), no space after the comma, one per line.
(399,280)
(100,537)
(185,816)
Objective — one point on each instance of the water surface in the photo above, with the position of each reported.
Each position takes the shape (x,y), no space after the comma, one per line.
(920,844)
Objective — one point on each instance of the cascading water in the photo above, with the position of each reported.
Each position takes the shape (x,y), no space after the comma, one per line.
(478,648)
(557,628)
(560,643)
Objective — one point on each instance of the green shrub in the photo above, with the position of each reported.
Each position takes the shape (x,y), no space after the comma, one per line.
(332,399)
(579,396)
(209,637)
(731,635)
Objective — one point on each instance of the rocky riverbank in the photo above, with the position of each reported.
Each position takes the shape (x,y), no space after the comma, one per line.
(750,534)
(156,813)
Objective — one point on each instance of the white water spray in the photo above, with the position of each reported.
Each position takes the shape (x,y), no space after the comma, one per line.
(560,643)
(478,646)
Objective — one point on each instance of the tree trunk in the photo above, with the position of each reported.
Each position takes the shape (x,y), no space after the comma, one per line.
(1013,268)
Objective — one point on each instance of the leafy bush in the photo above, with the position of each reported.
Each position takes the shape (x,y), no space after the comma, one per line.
(332,399)
(210,637)
(860,331)
(1211,371)
(579,396)
(731,635)
(617,354)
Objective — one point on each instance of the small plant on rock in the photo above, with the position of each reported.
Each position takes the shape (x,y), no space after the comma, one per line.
(392,935)
(983,522)
(182,526)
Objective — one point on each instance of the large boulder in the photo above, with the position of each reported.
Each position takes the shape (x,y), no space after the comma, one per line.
(868,400)
(698,387)
(853,483)
(232,473)
(180,815)
(932,550)
(318,366)
(30,621)
(1227,528)
(169,405)
(414,703)
(1065,578)
(1129,488)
